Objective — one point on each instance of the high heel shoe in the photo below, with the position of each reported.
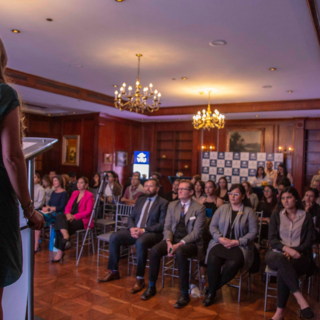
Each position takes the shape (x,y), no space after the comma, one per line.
(56,261)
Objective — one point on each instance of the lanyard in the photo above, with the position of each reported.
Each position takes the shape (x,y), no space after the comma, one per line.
(234,221)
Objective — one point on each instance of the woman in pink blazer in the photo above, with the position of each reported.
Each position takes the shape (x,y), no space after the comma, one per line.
(76,216)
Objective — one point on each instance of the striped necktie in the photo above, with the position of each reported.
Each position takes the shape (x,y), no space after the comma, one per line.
(182,211)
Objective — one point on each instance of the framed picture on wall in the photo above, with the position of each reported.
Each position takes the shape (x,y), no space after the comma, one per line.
(70,150)
(107,158)
(245,140)
(121,158)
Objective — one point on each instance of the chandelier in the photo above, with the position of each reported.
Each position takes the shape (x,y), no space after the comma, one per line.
(137,101)
(208,120)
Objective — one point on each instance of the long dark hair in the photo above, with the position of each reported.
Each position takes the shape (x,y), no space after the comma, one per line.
(202,185)
(263,174)
(285,172)
(59,178)
(218,190)
(296,195)
(47,179)
(92,180)
(246,202)
(274,201)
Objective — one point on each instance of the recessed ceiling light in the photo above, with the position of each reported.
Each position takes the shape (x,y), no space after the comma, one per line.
(257,116)
(49,114)
(201,92)
(272,69)
(15,31)
(267,87)
(184,78)
(289,91)
(217,43)
(120,0)
(49,19)
(73,112)
(115,86)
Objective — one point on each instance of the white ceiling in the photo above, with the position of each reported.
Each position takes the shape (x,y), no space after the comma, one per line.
(103,36)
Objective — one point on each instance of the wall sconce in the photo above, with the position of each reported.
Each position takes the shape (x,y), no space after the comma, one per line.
(205,148)
(284,150)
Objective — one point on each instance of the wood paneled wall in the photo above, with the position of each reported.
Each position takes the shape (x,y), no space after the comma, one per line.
(101,134)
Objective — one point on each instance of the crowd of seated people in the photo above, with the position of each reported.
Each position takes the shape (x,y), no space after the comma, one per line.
(205,220)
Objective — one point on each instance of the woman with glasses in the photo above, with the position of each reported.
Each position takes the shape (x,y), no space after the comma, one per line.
(291,233)
(253,198)
(233,228)
(267,204)
(222,190)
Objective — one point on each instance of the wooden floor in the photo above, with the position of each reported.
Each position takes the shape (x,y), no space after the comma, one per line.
(64,292)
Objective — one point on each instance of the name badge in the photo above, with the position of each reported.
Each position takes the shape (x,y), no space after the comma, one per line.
(192,218)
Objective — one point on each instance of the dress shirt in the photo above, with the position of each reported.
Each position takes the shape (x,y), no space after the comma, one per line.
(186,206)
(143,209)
(270,176)
(108,191)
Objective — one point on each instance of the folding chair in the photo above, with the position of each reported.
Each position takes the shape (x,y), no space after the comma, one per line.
(123,212)
(269,272)
(170,266)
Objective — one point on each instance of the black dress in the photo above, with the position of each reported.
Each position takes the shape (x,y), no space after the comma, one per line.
(267,209)
(10,238)
(225,198)
(169,195)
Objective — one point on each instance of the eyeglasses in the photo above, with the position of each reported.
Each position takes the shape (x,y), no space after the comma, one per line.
(267,191)
(183,189)
(236,194)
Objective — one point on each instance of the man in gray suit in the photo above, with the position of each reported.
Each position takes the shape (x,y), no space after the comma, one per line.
(183,229)
(145,226)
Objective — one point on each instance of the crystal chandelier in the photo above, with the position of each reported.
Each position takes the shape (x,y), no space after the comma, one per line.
(208,121)
(137,101)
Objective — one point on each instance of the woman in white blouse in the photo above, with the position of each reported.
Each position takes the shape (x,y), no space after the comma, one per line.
(259,178)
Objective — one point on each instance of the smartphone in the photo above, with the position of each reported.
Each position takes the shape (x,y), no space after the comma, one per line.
(170,250)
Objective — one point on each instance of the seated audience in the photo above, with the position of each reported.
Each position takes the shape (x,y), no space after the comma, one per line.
(76,217)
(94,184)
(113,189)
(316,185)
(183,229)
(281,174)
(133,192)
(270,173)
(65,180)
(157,175)
(56,205)
(52,174)
(314,178)
(260,179)
(291,233)
(195,178)
(253,198)
(48,189)
(222,190)
(309,202)
(72,183)
(267,204)
(39,194)
(145,227)
(128,183)
(284,183)
(199,190)
(173,195)
(233,227)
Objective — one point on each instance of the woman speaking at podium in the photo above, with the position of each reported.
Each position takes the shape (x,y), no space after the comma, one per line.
(13,184)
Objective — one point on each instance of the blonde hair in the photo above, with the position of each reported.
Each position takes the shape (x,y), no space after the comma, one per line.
(3,65)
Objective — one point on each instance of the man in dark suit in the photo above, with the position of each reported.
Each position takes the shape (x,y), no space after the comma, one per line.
(145,226)
(183,229)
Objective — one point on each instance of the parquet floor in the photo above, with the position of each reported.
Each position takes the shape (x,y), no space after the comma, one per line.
(64,292)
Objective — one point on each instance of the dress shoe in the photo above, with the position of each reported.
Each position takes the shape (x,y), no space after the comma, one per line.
(139,285)
(208,300)
(149,293)
(60,260)
(109,277)
(183,301)
(307,313)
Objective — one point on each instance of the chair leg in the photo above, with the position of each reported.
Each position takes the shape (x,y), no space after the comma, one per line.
(98,252)
(92,239)
(199,272)
(240,282)
(129,257)
(266,292)
(249,284)
(190,271)
(77,246)
(163,265)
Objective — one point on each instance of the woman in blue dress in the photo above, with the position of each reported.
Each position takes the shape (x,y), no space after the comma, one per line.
(13,184)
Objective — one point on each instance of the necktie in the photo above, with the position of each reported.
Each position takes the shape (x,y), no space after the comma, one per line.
(182,211)
(145,215)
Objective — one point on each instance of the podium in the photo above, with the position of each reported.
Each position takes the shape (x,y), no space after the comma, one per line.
(17,301)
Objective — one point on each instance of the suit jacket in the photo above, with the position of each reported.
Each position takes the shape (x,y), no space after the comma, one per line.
(85,207)
(245,230)
(156,216)
(195,220)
